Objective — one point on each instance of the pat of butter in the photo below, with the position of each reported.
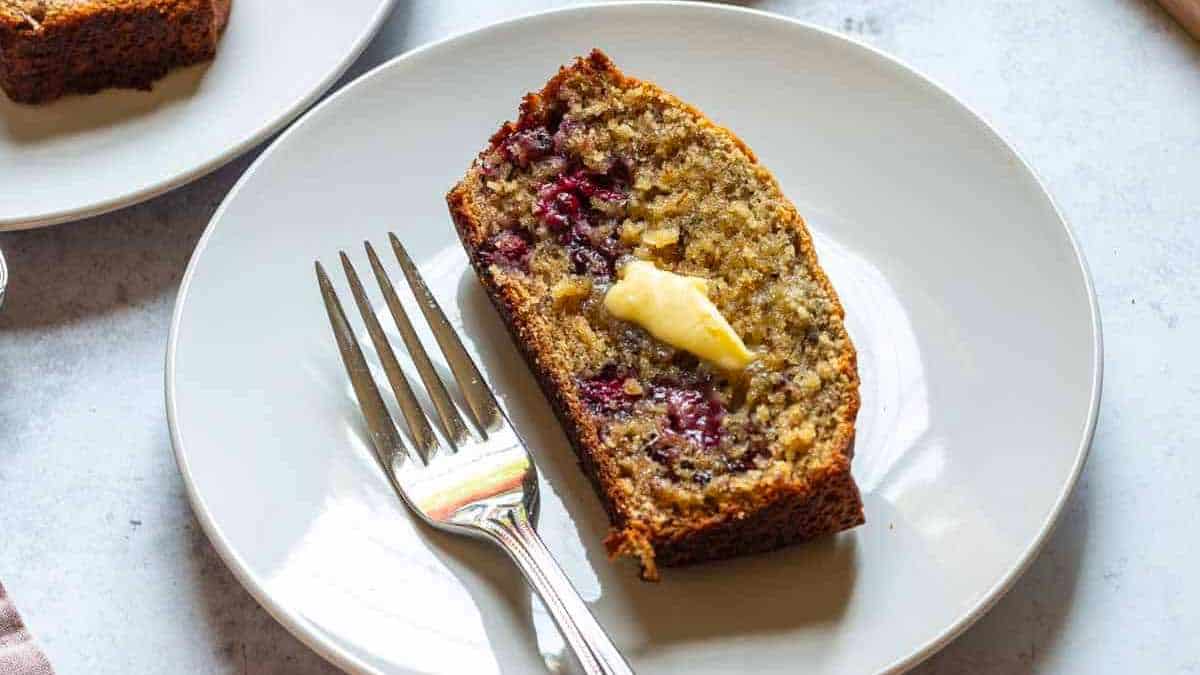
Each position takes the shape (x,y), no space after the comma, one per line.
(676,309)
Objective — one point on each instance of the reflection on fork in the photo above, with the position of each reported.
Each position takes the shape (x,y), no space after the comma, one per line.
(3,278)
(481,481)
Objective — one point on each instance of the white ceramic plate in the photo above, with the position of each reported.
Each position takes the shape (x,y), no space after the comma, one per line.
(974,317)
(84,155)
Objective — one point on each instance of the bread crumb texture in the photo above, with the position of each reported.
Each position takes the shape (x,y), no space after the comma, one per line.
(601,169)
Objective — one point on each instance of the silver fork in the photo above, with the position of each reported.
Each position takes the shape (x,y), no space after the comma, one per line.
(483,482)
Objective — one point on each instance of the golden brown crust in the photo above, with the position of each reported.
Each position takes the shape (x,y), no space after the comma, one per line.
(780,512)
(49,48)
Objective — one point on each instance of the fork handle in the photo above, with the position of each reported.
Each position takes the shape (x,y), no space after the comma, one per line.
(592,646)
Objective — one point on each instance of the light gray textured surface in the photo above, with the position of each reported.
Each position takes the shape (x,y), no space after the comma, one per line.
(100,550)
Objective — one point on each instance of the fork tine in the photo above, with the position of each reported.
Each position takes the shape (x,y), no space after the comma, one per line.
(478,395)
(389,446)
(452,422)
(418,424)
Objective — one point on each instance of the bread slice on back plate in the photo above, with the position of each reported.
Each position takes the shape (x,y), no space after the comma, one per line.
(696,456)
(49,48)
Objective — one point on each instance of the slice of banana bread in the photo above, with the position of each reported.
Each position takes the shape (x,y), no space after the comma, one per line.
(693,462)
(49,48)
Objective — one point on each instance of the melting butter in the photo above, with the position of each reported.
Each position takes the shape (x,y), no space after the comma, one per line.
(676,309)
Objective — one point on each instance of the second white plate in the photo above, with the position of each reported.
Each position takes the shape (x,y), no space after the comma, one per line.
(974,318)
(84,155)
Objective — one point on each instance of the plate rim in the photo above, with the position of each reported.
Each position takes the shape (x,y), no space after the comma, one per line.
(164,185)
(299,627)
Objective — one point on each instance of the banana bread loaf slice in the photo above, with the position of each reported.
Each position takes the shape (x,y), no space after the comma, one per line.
(53,47)
(667,296)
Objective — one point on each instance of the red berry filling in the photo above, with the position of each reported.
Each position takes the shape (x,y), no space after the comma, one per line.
(510,248)
(579,208)
(605,391)
(565,207)
(525,147)
(565,128)
(693,414)
(564,202)
(691,428)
